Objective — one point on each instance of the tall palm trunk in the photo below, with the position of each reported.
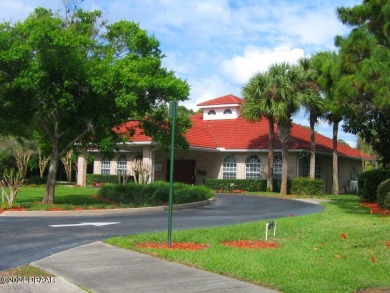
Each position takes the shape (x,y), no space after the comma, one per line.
(335,164)
(271,134)
(312,148)
(284,128)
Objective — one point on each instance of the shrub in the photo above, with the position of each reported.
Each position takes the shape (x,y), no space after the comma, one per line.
(386,201)
(307,186)
(156,193)
(98,178)
(37,180)
(383,190)
(227,185)
(369,181)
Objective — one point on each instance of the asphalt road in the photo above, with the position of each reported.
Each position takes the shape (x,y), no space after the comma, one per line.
(24,240)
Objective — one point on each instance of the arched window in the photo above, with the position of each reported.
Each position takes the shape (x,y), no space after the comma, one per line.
(229,167)
(105,166)
(211,112)
(278,162)
(121,165)
(305,167)
(252,167)
(227,111)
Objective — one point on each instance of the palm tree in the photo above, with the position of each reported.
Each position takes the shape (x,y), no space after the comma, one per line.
(285,88)
(258,103)
(313,103)
(328,76)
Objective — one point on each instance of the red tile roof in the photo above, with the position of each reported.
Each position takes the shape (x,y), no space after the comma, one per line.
(239,134)
(132,129)
(225,100)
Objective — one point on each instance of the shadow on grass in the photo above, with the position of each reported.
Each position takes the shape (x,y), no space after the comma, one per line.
(349,204)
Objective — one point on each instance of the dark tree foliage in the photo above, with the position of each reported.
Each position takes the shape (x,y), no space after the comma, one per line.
(72,79)
(364,57)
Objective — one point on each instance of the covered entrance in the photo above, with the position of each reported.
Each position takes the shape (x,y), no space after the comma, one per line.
(184,171)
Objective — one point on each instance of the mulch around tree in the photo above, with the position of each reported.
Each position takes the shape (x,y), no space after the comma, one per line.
(174,246)
(251,244)
(376,209)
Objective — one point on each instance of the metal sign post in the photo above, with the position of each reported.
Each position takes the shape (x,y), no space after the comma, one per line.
(172,114)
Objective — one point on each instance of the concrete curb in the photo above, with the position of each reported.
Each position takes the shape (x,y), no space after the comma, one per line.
(99,212)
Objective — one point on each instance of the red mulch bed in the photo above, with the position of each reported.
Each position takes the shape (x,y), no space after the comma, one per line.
(19,209)
(376,209)
(174,245)
(251,244)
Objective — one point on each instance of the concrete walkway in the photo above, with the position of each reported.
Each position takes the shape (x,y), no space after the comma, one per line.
(99,267)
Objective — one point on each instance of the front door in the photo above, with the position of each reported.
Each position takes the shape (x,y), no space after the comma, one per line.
(184,171)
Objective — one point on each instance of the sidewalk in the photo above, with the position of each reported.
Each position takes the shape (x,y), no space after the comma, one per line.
(99,267)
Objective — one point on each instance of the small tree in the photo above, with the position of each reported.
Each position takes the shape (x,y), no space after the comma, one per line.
(42,162)
(23,156)
(10,185)
(68,160)
(141,171)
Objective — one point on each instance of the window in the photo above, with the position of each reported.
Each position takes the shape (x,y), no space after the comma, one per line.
(211,112)
(305,167)
(277,167)
(252,169)
(121,166)
(227,111)
(105,166)
(229,167)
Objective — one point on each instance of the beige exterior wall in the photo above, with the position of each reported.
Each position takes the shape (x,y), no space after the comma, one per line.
(210,165)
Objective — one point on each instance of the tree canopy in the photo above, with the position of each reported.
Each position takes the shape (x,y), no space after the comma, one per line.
(73,78)
(364,58)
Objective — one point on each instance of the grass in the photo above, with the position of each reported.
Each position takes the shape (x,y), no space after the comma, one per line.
(66,198)
(313,256)
(24,271)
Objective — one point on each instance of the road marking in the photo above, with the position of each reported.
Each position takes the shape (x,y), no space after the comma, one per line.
(86,224)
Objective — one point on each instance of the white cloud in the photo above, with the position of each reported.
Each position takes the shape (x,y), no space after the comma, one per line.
(204,89)
(239,69)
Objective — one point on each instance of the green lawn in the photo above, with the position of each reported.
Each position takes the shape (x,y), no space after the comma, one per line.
(313,256)
(66,197)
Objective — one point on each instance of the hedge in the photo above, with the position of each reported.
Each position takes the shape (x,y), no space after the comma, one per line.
(307,186)
(382,193)
(227,185)
(98,178)
(156,193)
(369,181)
(230,185)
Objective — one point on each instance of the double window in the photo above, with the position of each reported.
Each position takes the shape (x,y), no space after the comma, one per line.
(278,163)
(105,166)
(252,167)
(121,165)
(229,167)
(305,167)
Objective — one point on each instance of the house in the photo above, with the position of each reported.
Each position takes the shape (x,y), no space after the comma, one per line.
(223,145)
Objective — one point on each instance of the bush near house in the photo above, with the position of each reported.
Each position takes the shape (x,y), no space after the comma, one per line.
(253,185)
(383,194)
(369,181)
(156,193)
(307,186)
(230,185)
(93,179)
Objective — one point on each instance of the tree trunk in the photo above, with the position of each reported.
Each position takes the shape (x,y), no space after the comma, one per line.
(284,128)
(312,149)
(270,154)
(283,185)
(335,165)
(51,176)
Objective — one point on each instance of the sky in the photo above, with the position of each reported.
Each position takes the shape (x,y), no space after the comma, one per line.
(217,45)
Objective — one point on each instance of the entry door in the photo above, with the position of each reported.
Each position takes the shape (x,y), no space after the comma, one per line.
(184,171)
